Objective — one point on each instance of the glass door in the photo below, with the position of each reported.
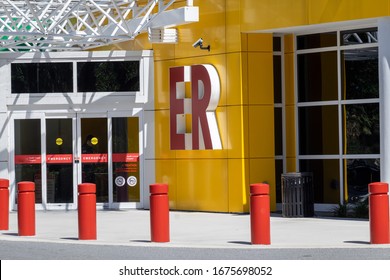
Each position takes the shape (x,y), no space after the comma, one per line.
(93,135)
(125,159)
(28,155)
(60,175)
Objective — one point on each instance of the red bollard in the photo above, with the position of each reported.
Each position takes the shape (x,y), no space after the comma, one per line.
(159,212)
(87,211)
(26,208)
(4,204)
(260,214)
(379,213)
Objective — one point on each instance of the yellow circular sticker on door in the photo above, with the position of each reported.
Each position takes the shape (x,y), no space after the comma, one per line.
(59,141)
(94,141)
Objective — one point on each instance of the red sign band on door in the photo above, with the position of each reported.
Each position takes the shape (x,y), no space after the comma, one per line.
(59,158)
(68,158)
(28,159)
(50,159)
(103,158)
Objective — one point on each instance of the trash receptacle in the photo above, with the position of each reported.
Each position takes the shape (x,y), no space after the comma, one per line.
(297,194)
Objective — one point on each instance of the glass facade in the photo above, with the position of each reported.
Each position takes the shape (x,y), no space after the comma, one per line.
(105,76)
(115,76)
(338,112)
(41,77)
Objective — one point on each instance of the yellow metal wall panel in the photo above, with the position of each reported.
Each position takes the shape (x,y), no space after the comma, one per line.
(261,131)
(233,27)
(202,185)
(259,42)
(263,170)
(238,177)
(260,78)
(321,11)
(267,14)
(161,84)
(237,137)
(166,174)
(233,79)
(162,141)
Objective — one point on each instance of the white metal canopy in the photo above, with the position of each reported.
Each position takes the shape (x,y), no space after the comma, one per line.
(63,25)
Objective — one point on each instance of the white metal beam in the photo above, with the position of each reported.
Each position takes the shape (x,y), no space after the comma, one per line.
(55,25)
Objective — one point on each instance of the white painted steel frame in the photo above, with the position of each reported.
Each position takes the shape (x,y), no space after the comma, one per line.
(59,25)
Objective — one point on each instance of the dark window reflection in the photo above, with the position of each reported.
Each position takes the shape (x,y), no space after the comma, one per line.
(277,44)
(108,76)
(326,179)
(278,176)
(362,129)
(360,76)
(41,77)
(317,77)
(360,36)
(318,130)
(277,79)
(360,173)
(319,40)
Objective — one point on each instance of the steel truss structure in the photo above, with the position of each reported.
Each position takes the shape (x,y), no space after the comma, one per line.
(66,25)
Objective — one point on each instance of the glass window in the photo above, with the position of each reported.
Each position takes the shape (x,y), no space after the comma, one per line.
(360,73)
(360,36)
(360,173)
(326,179)
(361,129)
(319,40)
(41,77)
(317,77)
(278,177)
(318,130)
(117,76)
(277,79)
(277,44)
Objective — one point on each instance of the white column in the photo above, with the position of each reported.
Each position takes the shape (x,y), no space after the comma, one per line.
(384,94)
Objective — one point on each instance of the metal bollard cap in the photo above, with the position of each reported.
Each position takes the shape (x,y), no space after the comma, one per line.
(4,183)
(158,188)
(260,188)
(26,186)
(86,188)
(378,188)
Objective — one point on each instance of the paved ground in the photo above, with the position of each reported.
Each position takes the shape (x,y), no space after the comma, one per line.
(198,230)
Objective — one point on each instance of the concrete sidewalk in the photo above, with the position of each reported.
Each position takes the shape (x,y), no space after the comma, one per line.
(198,229)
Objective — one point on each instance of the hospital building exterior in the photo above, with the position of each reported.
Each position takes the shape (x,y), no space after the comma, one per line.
(208,97)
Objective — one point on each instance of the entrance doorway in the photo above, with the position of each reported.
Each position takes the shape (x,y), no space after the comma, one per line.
(59,152)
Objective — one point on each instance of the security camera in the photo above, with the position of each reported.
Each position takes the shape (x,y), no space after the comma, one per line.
(198,43)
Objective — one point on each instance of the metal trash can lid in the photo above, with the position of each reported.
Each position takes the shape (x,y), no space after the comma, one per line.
(297,174)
